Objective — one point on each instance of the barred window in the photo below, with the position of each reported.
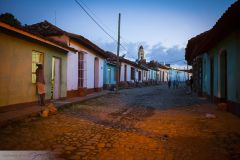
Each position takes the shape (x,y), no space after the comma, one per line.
(81,70)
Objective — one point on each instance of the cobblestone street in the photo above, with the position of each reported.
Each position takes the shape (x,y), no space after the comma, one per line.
(142,123)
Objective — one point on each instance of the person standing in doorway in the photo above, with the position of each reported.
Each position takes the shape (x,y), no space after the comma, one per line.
(40,82)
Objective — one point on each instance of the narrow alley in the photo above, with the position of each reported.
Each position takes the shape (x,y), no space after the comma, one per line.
(142,123)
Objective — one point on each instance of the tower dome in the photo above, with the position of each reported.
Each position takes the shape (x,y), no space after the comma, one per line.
(141,53)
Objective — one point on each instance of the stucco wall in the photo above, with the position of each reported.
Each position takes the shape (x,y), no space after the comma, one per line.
(90,70)
(89,57)
(230,44)
(206,73)
(72,71)
(128,72)
(136,75)
(16,69)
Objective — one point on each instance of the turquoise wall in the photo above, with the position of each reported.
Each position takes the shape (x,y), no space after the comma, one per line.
(178,75)
(232,47)
(106,79)
(206,73)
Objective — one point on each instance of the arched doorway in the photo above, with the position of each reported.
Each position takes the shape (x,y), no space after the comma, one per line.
(223,74)
(96,73)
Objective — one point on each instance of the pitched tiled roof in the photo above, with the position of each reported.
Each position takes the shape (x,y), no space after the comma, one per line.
(111,58)
(34,35)
(47,29)
(228,23)
(87,43)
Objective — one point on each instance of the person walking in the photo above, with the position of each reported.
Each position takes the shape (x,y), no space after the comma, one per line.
(174,84)
(40,83)
(169,83)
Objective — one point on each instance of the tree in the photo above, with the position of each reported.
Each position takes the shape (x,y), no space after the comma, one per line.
(10,19)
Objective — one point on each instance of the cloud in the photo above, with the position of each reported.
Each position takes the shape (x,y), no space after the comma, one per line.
(173,55)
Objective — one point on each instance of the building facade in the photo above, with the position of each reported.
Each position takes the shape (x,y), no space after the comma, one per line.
(20,52)
(215,57)
(84,68)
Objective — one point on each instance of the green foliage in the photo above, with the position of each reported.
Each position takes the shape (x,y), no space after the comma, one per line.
(10,19)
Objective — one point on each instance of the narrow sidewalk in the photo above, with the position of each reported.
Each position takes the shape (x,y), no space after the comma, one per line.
(8,114)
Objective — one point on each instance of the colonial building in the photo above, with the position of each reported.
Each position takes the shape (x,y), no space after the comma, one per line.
(163,73)
(20,51)
(84,68)
(215,57)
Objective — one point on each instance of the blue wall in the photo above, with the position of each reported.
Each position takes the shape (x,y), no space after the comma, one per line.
(177,75)
(106,79)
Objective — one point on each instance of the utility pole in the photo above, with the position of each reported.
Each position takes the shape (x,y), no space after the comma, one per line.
(118,49)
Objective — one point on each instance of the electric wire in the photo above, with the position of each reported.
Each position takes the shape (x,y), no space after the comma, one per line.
(91,17)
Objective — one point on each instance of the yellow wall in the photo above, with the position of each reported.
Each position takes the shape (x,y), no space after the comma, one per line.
(15,69)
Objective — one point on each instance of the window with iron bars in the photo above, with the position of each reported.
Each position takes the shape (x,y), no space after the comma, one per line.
(82,72)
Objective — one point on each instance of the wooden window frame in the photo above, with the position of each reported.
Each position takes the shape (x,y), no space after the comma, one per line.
(34,62)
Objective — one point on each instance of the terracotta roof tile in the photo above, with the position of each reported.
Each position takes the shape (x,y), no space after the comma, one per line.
(47,29)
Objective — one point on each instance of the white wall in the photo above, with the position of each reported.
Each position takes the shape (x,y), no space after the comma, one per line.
(165,77)
(136,75)
(89,58)
(143,75)
(128,72)
(122,72)
(101,63)
(72,71)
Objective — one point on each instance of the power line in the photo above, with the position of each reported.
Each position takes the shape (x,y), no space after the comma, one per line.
(176,61)
(99,19)
(98,24)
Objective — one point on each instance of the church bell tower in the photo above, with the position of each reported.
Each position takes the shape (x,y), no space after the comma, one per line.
(140,53)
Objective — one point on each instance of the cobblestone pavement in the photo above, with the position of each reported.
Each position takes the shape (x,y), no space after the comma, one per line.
(143,123)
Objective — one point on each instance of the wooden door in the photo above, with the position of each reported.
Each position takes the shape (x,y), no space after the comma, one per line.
(56,78)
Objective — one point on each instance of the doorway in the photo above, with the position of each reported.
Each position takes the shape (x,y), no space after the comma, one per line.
(223,75)
(96,72)
(109,75)
(211,78)
(125,73)
(55,88)
(139,76)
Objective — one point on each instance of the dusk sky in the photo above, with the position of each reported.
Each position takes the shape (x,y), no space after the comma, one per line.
(161,26)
